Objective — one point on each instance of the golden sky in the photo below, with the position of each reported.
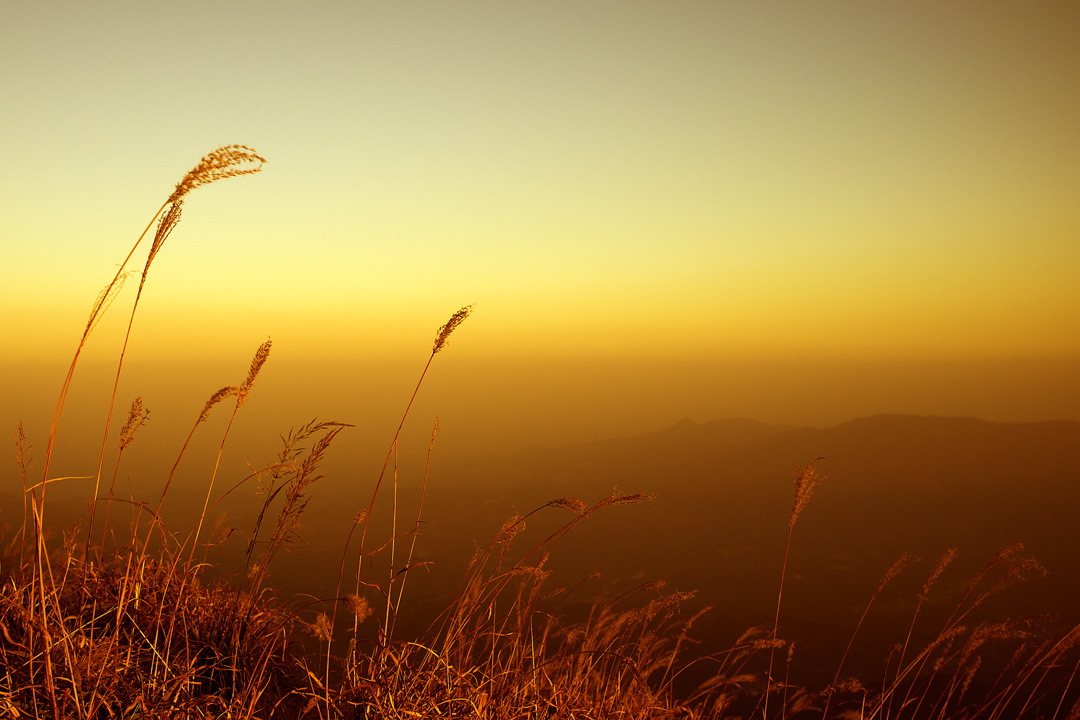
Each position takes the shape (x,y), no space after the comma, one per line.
(626,181)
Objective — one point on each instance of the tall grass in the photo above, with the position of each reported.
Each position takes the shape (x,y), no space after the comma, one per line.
(129,624)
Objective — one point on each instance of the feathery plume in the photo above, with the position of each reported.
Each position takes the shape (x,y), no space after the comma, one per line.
(513,525)
(628,499)
(322,628)
(261,356)
(358,606)
(847,685)
(901,563)
(939,567)
(806,479)
(451,325)
(572,504)
(136,419)
(225,162)
(216,398)
(168,221)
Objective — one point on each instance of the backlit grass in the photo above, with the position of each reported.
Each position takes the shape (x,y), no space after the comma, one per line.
(118,617)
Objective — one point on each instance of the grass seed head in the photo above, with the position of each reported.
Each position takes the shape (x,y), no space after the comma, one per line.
(322,628)
(444,332)
(358,606)
(165,226)
(939,567)
(904,560)
(215,399)
(261,356)
(136,418)
(767,643)
(572,504)
(847,685)
(806,479)
(23,446)
(616,499)
(513,525)
(227,161)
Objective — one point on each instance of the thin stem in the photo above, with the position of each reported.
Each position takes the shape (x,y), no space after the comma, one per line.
(367,517)
(108,417)
(213,476)
(416,525)
(776,621)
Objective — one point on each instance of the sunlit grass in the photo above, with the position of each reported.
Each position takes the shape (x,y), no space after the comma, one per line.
(127,622)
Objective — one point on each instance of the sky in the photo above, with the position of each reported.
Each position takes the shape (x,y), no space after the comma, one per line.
(799,212)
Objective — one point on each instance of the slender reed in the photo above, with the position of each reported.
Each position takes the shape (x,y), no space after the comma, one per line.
(806,480)
(415,531)
(942,563)
(137,416)
(442,337)
(897,567)
(240,394)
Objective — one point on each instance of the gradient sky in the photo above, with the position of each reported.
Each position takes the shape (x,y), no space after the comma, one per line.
(704,182)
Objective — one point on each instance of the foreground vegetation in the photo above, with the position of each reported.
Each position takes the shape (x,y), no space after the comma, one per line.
(118,618)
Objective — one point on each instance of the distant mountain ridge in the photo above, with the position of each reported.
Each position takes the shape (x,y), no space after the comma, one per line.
(923,481)
(689,450)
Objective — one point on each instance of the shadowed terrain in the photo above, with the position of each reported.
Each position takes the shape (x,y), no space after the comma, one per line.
(721,498)
(716,525)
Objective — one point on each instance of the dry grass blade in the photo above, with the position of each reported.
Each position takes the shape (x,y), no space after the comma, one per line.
(104,299)
(895,569)
(806,479)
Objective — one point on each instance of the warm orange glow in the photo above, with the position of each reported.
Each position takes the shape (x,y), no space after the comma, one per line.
(705,185)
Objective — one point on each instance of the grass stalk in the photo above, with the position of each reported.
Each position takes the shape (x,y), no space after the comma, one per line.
(806,480)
